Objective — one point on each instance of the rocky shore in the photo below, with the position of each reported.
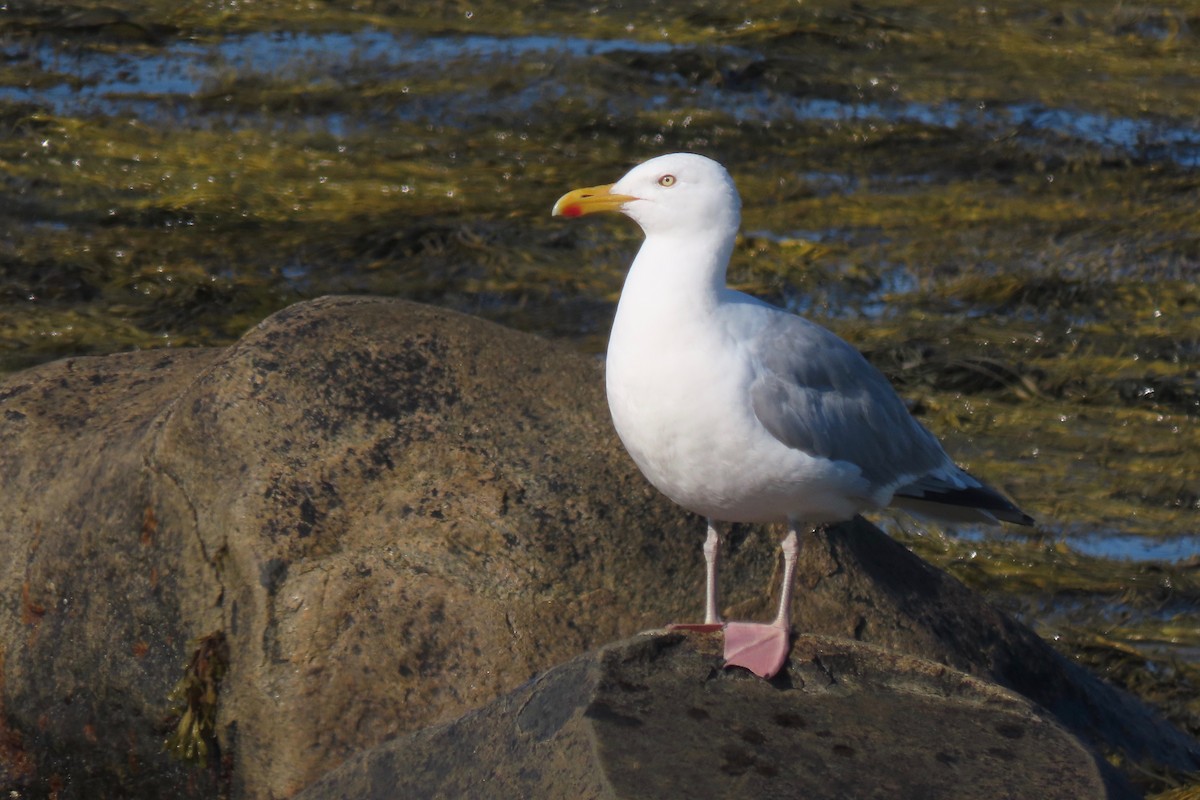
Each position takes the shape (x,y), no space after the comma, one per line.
(326,560)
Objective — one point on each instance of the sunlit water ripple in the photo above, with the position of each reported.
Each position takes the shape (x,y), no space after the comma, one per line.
(159,84)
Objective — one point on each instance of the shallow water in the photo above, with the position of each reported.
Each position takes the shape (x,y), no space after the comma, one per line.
(152,84)
(107,83)
(1136,548)
(1112,545)
(997,204)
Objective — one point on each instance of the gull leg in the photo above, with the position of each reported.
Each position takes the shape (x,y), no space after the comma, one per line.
(791,551)
(712,559)
(763,648)
(712,606)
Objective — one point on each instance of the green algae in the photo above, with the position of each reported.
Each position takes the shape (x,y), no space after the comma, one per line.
(1031,288)
(194,702)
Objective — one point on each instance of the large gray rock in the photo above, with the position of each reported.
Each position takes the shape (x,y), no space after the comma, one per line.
(379,516)
(856,582)
(95,620)
(657,717)
(390,513)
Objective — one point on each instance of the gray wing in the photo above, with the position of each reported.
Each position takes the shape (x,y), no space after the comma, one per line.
(818,394)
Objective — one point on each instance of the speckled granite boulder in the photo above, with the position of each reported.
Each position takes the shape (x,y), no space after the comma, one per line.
(391,513)
(656,717)
(375,516)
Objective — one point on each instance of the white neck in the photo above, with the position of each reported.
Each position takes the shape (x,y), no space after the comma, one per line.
(671,269)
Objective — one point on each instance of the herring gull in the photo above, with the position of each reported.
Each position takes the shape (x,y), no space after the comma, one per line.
(741,411)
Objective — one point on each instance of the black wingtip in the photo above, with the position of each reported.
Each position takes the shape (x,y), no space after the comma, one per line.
(1016,516)
(980,498)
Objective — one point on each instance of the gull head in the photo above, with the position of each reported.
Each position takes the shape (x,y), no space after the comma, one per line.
(681,194)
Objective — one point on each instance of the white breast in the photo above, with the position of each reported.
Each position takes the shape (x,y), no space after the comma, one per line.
(678,389)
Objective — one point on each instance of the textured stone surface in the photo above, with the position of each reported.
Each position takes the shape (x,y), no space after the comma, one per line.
(392,514)
(656,717)
(858,583)
(99,608)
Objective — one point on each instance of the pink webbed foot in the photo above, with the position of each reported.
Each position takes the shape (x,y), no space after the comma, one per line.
(759,647)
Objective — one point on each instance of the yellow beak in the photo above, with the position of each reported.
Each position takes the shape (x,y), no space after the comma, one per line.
(589,201)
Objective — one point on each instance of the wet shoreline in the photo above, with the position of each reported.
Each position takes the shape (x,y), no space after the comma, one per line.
(996,204)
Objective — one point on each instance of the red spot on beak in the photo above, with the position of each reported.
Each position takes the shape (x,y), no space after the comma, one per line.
(573,210)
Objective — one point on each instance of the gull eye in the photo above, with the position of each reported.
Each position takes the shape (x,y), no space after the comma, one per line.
(666,180)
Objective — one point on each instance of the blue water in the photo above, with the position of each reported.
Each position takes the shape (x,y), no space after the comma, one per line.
(189,68)
(158,84)
(1124,547)
(1112,545)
